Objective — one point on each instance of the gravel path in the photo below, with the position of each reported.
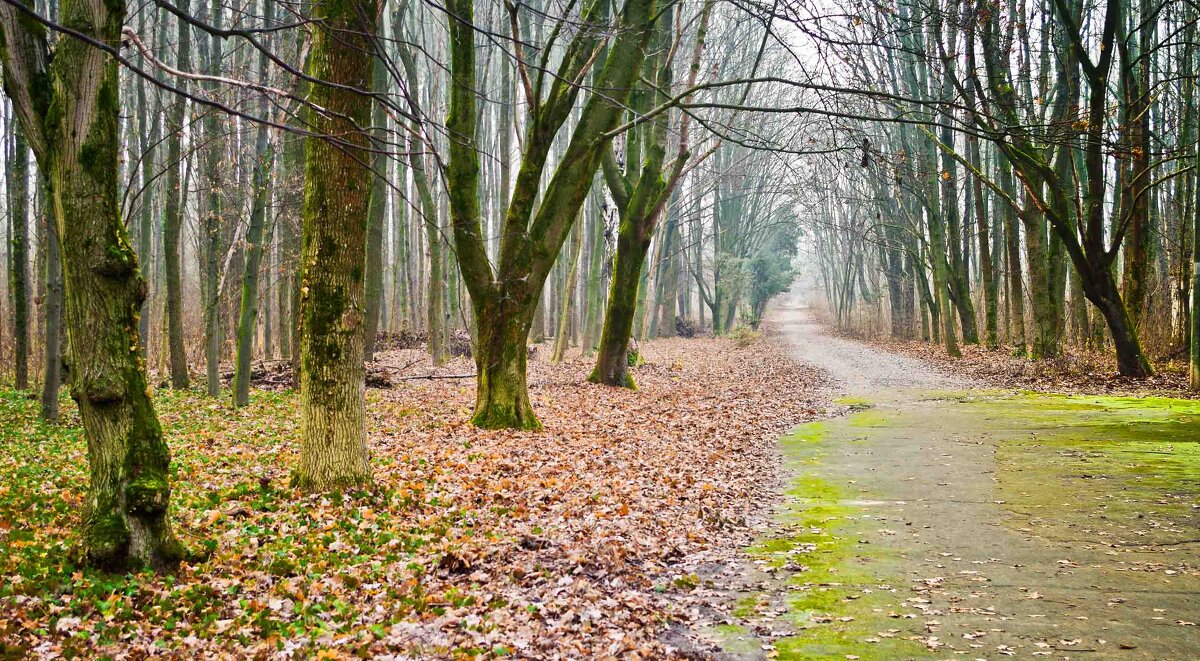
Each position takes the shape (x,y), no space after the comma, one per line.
(858,369)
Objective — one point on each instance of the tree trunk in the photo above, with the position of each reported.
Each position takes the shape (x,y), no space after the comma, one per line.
(18,206)
(173,220)
(1103,292)
(941,287)
(593,293)
(264,162)
(568,296)
(1046,338)
(211,225)
(991,281)
(125,515)
(52,364)
(125,522)
(1012,246)
(1194,349)
(375,216)
(333,450)
(668,299)
(502,395)
(248,311)
(612,359)
(505,297)
(1135,166)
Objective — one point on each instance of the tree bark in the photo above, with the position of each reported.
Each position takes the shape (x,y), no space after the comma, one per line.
(125,522)
(562,332)
(173,219)
(375,216)
(211,224)
(612,359)
(1012,247)
(429,218)
(18,209)
(264,161)
(333,454)
(505,297)
(502,395)
(1194,348)
(52,363)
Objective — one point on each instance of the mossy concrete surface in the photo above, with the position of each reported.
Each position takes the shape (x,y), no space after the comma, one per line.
(972,524)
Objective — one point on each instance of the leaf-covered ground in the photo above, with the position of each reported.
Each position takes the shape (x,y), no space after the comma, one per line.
(570,542)
(1077,372)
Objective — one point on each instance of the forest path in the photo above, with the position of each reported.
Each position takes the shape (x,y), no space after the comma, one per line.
(938,520)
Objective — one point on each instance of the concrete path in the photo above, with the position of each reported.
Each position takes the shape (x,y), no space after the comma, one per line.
(942,521)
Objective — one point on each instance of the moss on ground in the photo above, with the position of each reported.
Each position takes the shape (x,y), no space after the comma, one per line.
(840,594)
(1099,469)
(1113,470)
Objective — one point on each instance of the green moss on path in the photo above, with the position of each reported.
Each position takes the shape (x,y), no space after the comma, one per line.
(837,594)
(1073,476)
(1120,470)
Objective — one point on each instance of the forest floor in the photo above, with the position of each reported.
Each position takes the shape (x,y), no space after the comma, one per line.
(942,519)
(579,541)
(1077,372)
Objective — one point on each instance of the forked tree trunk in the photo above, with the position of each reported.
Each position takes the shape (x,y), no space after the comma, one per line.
(333,452)
(505,297)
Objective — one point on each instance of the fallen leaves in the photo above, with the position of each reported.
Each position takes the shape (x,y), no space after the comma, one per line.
(1076,372)
(570,542)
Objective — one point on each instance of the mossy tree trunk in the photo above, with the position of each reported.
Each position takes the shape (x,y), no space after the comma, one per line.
(333,255)
(69,110)
(941,278)
(173,219)
(502,394)
(1046,341)
(639,195)
(534,228)
(612,358)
